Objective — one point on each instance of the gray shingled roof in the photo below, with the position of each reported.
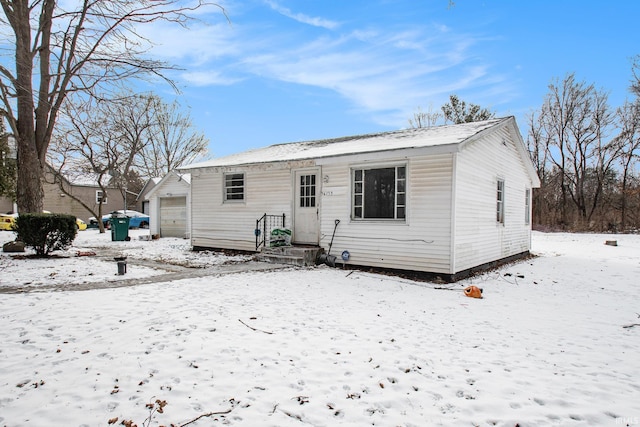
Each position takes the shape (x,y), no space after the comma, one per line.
(385,141)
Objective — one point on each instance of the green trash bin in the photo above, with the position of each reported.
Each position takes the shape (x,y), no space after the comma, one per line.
(119,228)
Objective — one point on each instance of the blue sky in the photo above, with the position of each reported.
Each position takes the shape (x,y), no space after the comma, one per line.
(294,70)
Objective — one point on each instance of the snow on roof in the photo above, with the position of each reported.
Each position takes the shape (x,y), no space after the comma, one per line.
(385,141)
(186,177)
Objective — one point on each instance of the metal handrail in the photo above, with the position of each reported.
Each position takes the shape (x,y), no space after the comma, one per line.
(264,225)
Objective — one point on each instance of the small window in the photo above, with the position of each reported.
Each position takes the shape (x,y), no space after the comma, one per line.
(527,206)
(379,193)
(234,187)
(101,197)
(307,191)
(500,202)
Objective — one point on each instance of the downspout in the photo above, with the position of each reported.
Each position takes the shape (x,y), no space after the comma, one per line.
(452,239)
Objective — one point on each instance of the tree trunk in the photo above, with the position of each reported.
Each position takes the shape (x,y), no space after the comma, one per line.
(29,192)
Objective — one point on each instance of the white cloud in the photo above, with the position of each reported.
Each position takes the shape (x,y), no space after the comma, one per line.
(209,78)
(302,18)
(382,72)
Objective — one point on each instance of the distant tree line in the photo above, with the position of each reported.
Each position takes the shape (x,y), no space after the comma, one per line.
(586,154)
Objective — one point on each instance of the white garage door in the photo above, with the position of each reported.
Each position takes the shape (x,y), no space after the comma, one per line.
(173,216)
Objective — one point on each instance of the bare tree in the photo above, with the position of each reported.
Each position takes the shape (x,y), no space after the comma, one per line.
(635,72)
(573,125)
(62,48)
(628,141)
(457,111)
(172,140)
(80,153)
(101,139)
(7,165)
(425,119)
(543,198)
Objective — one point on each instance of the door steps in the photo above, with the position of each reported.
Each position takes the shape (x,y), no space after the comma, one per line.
(301,256)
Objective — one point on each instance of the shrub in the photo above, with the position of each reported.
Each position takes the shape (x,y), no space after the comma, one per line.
(46,233)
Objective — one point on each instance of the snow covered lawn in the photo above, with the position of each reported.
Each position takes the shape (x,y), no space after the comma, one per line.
(547,346)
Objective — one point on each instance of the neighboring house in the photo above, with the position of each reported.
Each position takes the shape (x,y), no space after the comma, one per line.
(169,205)
(443,200)
(6,205)
(142,201)
(83,188)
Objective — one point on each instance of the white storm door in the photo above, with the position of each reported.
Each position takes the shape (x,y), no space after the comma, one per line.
(306,205)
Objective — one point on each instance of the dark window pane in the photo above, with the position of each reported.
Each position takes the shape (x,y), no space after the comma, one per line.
(401,213)
(358,175)
(357,212)
(401,173)
(379,193)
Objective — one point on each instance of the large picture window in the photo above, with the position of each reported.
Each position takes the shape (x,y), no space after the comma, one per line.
(379,193)
(234,187)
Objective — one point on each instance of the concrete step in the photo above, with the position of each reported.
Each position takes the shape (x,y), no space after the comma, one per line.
(302,256)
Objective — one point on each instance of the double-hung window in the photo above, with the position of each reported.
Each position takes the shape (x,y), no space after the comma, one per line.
(379,193)
(101,197)
(234,187)
(500,202)
(527,206)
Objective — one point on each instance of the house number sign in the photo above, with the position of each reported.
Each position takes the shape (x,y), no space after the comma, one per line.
(334,191)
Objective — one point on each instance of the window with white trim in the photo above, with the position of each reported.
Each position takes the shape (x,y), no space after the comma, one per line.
(234,187)
(101,197)
(527,206)
(308,191)
(379,193)
(500,202)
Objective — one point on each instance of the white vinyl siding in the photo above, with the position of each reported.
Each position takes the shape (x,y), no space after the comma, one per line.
(220,224)
(478,240)
(422,242)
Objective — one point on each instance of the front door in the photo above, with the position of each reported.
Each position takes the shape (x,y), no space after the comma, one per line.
(306,205)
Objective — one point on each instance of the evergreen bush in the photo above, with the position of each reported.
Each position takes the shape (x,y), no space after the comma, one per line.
(46,233)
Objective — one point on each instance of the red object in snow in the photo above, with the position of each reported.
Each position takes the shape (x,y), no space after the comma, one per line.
(473,292)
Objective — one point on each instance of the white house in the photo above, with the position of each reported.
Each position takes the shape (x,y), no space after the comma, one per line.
(169,203)
(443,200)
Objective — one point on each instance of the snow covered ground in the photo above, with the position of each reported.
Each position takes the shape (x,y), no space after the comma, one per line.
(551,344)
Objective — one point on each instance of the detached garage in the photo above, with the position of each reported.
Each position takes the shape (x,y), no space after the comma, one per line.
(169,203)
